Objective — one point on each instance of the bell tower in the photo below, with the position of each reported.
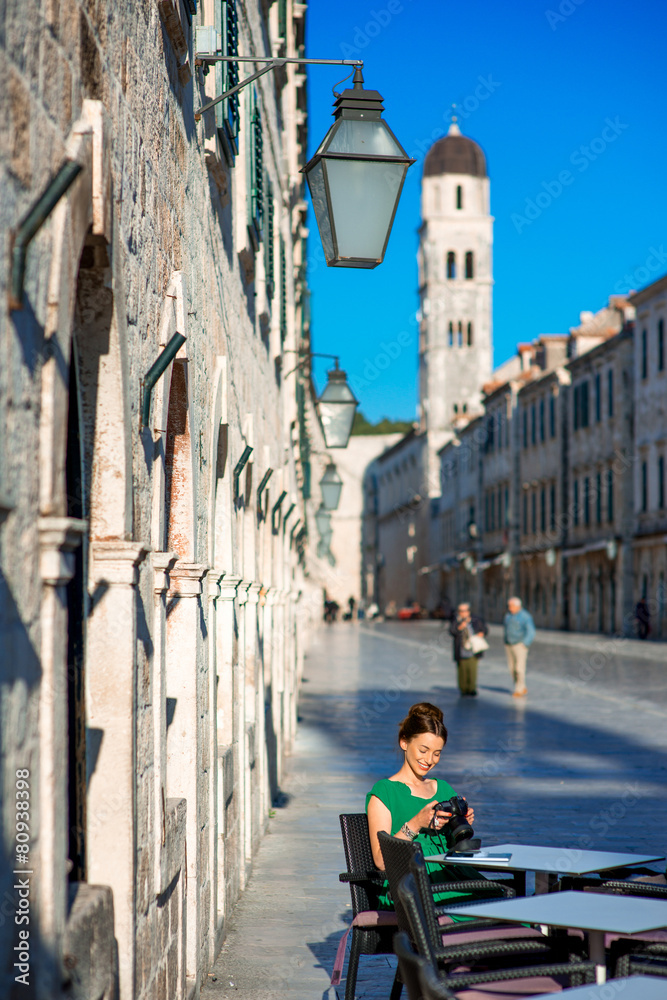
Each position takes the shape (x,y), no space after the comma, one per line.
(455,288)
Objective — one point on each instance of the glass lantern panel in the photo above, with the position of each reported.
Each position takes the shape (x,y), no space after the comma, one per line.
(370,138)
(336,421)
(363,197)
(316,184)
(330,494)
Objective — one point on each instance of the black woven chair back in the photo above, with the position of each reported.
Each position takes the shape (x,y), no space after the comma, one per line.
(414,973)
(359,860)
(422,883)
(425,944)
(397,855)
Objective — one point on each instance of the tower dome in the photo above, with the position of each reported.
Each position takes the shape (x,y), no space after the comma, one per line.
(455,154)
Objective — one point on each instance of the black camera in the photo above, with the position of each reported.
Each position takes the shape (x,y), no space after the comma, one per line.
(458,833)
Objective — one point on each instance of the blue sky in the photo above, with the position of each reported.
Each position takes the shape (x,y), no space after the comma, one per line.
(558,73)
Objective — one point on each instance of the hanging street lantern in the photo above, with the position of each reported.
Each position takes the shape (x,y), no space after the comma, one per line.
(355,180)
(323,522)
(331,485)
(337,405)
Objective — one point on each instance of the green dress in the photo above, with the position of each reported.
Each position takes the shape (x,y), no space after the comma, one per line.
(403,805)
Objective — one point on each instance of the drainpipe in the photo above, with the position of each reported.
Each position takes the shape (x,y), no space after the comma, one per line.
(32,223)
(156,370)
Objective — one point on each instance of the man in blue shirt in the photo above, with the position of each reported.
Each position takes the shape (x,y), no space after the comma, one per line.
(519,633)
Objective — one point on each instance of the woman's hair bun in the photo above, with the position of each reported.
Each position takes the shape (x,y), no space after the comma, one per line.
(422,718)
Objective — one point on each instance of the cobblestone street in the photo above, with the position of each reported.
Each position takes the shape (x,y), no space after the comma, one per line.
(581,763)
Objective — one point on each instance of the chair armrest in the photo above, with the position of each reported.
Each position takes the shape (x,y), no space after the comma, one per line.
(475,950)
(375,875)
(457,981)
(475,885)
(630,889)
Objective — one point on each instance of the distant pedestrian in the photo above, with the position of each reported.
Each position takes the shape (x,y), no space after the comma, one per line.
(643,618)
(519,629)
(468,632)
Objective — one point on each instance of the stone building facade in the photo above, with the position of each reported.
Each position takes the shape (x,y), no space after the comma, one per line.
(649,558)
(157,580)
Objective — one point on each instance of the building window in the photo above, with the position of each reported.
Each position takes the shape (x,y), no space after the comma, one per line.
(525,513)
(552,505)
(598,399)
(587,501)
(610,392)
(525,428)
(661,345)
(583,389)
(255,171)
(451,264)
(533,510)
(533,424)
(227,118)
(543,509)
(575,408)
(469,334)
(459,196)
(542,427)
(507,505)
(552,416)
(644,488)
(644,350)
(469,265)
(451,334)
(493,511)
(456,407)
(661,482)
(598,498)
(500,508)
(283,291)
(575,503)
(610,495)
(460,333)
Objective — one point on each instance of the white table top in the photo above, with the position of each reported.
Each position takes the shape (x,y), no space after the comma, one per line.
(567,860)
(630,988)
(589,911)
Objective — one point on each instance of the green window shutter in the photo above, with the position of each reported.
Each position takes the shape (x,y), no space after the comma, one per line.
(255,172)
(283,291)
(227,116)
(268,240)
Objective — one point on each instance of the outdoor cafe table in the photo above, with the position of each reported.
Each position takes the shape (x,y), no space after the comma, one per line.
(628,988)
(546,860)
(597,913)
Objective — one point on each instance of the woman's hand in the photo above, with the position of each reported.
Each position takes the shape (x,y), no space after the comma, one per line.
(425,817)
(470,815)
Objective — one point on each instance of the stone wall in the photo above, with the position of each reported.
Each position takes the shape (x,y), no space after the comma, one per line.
(150,638)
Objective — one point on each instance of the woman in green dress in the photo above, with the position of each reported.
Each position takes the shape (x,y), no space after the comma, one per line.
(404,804)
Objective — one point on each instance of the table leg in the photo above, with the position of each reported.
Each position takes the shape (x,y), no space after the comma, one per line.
(519,879)
(544,882)
(596,954)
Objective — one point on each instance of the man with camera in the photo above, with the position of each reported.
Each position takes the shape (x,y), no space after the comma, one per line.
(469,633)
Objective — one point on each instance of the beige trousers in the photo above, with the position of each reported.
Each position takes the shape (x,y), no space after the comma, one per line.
(517,654)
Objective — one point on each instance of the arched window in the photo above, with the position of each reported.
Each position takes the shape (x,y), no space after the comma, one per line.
(469,334)
(451,264)
(451,334)
(469,265)
(465,407)
(456,407)
(460,332)
(459,196)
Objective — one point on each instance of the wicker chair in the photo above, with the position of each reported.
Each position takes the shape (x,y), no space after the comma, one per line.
(636,954)
(423,983)
(529,980)
(372,929)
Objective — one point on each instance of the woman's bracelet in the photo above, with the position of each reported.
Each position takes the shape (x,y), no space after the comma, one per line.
(410,834)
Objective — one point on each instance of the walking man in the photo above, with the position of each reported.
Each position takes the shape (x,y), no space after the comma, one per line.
(467,631)
(519,633)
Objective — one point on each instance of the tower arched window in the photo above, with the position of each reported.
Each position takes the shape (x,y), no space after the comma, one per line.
(470,266)
(459,196)
(451,264)
(451,334)
(460,332)
(436,198)
(469,334)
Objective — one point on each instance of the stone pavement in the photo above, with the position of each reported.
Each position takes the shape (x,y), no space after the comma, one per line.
(581,762)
